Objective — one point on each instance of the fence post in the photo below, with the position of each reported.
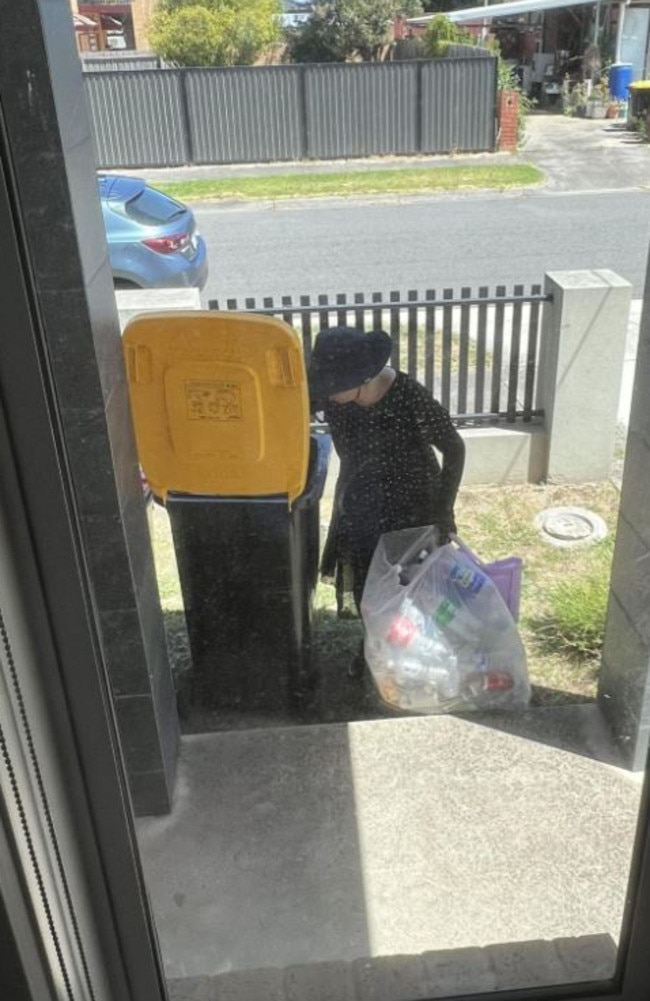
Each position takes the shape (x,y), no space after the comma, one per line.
(624,682)
(582,349)
(185,119)
(419,105)
(305,131)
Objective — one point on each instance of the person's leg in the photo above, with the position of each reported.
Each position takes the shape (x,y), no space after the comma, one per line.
(357,666)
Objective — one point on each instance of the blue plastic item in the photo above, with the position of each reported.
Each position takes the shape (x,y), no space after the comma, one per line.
(620,78)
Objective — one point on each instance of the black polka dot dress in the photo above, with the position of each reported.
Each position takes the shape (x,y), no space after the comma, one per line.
(390,476)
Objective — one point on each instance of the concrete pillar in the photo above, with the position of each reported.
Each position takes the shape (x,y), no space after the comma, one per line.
(581,362)
(624,685)
(55,189)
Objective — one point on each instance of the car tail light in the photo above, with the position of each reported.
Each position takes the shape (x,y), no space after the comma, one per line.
(168,244)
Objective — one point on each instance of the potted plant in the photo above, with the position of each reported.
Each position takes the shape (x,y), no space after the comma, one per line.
(597,99)
(574,98)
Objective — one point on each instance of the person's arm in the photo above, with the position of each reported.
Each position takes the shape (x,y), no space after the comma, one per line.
(437,429)
(452,449)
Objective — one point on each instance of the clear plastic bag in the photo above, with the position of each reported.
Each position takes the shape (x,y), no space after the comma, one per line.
(438,634)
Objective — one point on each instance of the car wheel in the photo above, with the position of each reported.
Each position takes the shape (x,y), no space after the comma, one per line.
(122,284)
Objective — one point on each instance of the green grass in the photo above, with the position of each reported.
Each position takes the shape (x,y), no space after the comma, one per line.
(350,183)
(577,608)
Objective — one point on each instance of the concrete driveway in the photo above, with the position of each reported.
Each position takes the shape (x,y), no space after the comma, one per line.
(584,154)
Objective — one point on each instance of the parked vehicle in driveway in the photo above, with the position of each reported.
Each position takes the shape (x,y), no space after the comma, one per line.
(152,239)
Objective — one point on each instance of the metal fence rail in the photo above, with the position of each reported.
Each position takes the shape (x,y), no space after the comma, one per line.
(476,353)
(108,62)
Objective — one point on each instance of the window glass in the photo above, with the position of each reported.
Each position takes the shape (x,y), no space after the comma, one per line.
(151,208)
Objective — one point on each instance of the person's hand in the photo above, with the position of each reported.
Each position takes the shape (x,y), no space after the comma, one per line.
(446,528)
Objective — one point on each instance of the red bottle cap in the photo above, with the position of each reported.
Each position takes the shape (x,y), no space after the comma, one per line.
(402,631)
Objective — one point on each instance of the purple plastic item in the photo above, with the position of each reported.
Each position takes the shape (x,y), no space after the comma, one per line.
(505,574)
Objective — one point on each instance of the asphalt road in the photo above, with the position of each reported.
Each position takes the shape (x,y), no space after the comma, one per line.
(368,245)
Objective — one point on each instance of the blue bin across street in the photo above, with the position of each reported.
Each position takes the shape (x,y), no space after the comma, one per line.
(620,78)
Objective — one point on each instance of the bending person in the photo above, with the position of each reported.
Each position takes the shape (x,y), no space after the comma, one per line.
(385,427)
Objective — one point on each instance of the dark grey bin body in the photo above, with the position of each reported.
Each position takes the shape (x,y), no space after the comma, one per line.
(248,567)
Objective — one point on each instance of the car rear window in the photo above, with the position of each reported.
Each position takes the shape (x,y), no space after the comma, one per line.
(152,208)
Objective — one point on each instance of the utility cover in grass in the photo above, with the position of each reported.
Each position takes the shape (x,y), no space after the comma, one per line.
(570,526)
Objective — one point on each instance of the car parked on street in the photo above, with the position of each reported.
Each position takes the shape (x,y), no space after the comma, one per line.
(152,239)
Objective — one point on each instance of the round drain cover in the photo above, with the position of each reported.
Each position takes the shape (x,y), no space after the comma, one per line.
(570,526)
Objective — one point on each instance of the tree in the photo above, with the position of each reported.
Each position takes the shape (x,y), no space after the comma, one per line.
(441,33)
(214,32)
(364,26)
(340,29)
(317,41)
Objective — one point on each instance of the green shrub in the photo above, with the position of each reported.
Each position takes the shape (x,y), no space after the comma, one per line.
(441,33)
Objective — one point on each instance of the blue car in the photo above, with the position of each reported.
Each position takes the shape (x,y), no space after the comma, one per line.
(152,239)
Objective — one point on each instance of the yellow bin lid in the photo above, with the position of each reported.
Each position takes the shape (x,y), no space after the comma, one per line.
(220,403)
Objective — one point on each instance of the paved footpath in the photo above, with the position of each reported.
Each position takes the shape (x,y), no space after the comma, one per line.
(576,154)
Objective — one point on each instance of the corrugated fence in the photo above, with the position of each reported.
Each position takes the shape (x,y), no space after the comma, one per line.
(156,118)
(107,62)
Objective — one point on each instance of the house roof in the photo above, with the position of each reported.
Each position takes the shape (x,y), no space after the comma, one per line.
(508,9)
(80,21)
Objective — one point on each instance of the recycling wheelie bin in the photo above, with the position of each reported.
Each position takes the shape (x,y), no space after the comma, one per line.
(221,415)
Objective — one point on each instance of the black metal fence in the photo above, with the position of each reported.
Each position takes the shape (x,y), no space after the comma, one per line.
(476,353)
(249,114)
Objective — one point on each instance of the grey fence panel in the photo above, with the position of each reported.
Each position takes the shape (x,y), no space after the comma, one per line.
(167,117)
(458,105)
(362,110)
(107,63)
(245,114)
(137,118)
(460,50)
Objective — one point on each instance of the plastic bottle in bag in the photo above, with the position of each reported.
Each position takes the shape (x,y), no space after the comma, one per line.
(481,672)
(422,656)
(475,589)
(456,621)
(409,621)
(412,673)
(417,633)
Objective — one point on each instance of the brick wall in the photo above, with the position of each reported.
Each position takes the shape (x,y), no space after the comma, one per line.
(507,113)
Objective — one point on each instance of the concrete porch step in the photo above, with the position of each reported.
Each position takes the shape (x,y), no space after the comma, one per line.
(444,973)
